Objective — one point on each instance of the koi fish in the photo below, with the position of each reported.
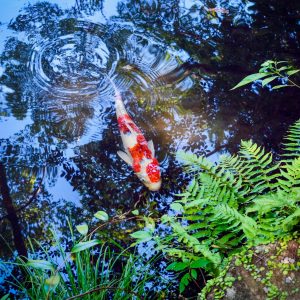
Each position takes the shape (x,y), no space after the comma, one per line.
(139,154)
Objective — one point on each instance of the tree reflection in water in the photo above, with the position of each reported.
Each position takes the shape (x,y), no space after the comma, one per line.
(174,61)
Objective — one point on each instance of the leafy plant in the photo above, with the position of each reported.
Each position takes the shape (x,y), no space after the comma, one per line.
(91,270)
(244,199)
(271,71)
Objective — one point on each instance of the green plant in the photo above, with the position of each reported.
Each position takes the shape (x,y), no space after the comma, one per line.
(91,270)
(272,71)
(244,199)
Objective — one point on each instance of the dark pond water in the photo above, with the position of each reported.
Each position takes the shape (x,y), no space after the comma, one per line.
(174,63)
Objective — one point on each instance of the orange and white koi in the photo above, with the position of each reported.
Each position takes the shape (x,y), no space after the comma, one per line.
(139,153)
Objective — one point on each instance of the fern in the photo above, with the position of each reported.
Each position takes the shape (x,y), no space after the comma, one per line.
(292,145)
(235,220)
(245,198)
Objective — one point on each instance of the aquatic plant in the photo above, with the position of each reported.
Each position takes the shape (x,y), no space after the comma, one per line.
(90,270)
(245,199)
(271,71)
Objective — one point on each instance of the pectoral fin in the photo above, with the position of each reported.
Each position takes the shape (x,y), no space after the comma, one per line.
(151,147)
(125,157)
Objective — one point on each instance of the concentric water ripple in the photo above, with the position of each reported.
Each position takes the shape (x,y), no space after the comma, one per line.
(74,62)
(150,59)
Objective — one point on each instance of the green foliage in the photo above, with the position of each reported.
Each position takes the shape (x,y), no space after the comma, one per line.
(83,272)
(246,198)
(271,71)
(101,215)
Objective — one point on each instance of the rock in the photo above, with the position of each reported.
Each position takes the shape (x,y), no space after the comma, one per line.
(263,272)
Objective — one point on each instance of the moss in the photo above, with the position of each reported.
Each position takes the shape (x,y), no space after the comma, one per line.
(269,272)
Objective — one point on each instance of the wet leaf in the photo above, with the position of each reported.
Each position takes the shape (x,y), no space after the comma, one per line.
(101,215)
(84,245)
(40,264)
(5,297)
(83,228)
(250,78)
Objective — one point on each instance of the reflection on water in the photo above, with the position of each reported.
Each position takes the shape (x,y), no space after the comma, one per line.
(174,63)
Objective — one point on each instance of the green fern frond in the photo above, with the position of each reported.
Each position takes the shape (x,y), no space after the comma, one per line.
(258,167)
(290,175)
(291,146)
(237,220)
(273,202)
(244,198)
(192,162)
(292,220)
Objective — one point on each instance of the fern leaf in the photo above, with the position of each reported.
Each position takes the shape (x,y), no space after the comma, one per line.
(242,222)
(292,220)
(291,146)
(290,175)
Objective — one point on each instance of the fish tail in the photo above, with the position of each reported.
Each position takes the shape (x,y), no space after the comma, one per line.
(120,108)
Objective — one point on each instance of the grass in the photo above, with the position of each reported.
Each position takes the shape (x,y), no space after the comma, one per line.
(89,270)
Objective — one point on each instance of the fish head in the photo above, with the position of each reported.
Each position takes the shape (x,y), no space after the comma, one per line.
(150,174)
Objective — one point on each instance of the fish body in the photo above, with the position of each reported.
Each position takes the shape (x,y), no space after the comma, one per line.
(139,153)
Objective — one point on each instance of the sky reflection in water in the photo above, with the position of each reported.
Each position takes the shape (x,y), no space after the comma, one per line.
(174,63)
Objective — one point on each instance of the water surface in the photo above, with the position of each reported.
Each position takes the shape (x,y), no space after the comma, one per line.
(174,63)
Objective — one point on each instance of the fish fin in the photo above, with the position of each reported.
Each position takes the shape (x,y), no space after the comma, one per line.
(125,157)
(151,147)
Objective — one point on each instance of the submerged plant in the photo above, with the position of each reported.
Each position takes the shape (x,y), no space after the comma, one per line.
(272,71)
(246,198)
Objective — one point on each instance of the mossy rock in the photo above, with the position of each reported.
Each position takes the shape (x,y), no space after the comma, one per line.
(269,271)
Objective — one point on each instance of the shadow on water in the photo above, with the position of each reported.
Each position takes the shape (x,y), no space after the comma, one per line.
(174,63)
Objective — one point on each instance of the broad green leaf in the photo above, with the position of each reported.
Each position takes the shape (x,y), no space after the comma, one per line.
(165,219)
(184,282)
(268,80)
(142,235)
(84,245)
(263,70)
(194,273)
(83,228)
(5,297)
(177,266)
(200,263)
(292,72)
(40,264)
(283,68)
(101,215)
(176,206)
(52,281)
(135,212)
(267,63)
(250,78)
(279,86)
